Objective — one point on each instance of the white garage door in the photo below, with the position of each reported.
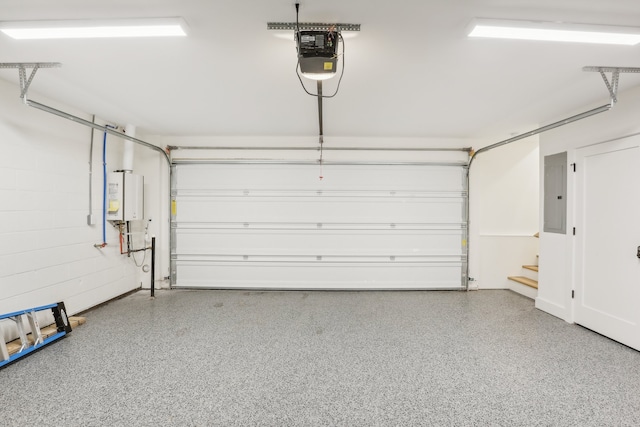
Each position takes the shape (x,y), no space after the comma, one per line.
(278,226)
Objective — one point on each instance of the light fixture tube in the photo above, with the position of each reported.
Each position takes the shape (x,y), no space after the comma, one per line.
(554,31)
(318,76)
(98,28)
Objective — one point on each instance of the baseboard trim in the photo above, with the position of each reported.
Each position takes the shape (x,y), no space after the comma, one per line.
(553,309)
(110,300)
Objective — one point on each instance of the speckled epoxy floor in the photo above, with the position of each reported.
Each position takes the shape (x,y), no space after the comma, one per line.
(204,358)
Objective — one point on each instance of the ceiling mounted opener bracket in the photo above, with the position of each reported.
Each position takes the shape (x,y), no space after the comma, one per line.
(25,81)
(615,77)
(313,26)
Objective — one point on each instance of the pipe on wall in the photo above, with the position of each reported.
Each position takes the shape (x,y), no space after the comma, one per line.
(106,129)
(542,129)
(127,155)
(104,189)
(90,214)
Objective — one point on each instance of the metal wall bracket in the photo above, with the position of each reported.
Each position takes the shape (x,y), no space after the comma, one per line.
(615,77)
(22,72)
(315,26)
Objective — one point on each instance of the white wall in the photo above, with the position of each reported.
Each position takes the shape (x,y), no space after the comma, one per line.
(47,252)
(504,212)
(556,277)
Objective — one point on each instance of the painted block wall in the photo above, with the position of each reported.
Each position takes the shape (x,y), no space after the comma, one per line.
(47,249)
(556,277)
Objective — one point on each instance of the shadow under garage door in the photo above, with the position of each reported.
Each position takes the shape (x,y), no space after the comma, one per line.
(277,226)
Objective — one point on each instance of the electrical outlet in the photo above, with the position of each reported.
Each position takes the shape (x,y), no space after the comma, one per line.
(91,220)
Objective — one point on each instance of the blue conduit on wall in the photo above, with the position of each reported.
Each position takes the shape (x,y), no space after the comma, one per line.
(104,189)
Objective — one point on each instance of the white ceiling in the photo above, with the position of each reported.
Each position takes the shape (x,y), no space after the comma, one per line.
(410,72)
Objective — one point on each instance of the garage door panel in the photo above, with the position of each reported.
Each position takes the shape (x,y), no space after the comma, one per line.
(336,177)
(318,242)
(278,226)
(318,210)
(319,276)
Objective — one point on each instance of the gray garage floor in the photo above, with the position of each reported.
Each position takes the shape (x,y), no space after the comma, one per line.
(199,358)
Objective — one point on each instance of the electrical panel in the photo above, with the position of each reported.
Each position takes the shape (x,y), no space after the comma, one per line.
(125,197)
(555,193)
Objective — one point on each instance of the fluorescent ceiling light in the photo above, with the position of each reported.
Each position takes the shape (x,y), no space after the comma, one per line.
(89,28)
(554,31)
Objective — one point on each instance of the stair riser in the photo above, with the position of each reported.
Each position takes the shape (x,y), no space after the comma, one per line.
(523,289)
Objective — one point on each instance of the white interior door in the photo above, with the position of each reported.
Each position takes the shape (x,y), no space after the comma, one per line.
(277,226)
(607,294)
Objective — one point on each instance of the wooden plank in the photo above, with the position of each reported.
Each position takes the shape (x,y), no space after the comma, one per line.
(13,347)
(531,267)
(80,320)
(525,281)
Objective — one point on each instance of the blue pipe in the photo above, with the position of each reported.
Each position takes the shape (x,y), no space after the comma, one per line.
(104,189)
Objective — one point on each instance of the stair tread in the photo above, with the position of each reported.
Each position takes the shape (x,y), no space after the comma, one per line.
(531,267)
(525,281)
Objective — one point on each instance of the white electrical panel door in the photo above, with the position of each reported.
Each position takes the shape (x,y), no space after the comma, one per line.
(125,197)
(280,227)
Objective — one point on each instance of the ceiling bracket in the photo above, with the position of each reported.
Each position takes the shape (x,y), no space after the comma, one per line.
(314,26)
(25,81)
(612,86)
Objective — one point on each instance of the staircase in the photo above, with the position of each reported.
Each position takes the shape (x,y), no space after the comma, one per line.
(527,284)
